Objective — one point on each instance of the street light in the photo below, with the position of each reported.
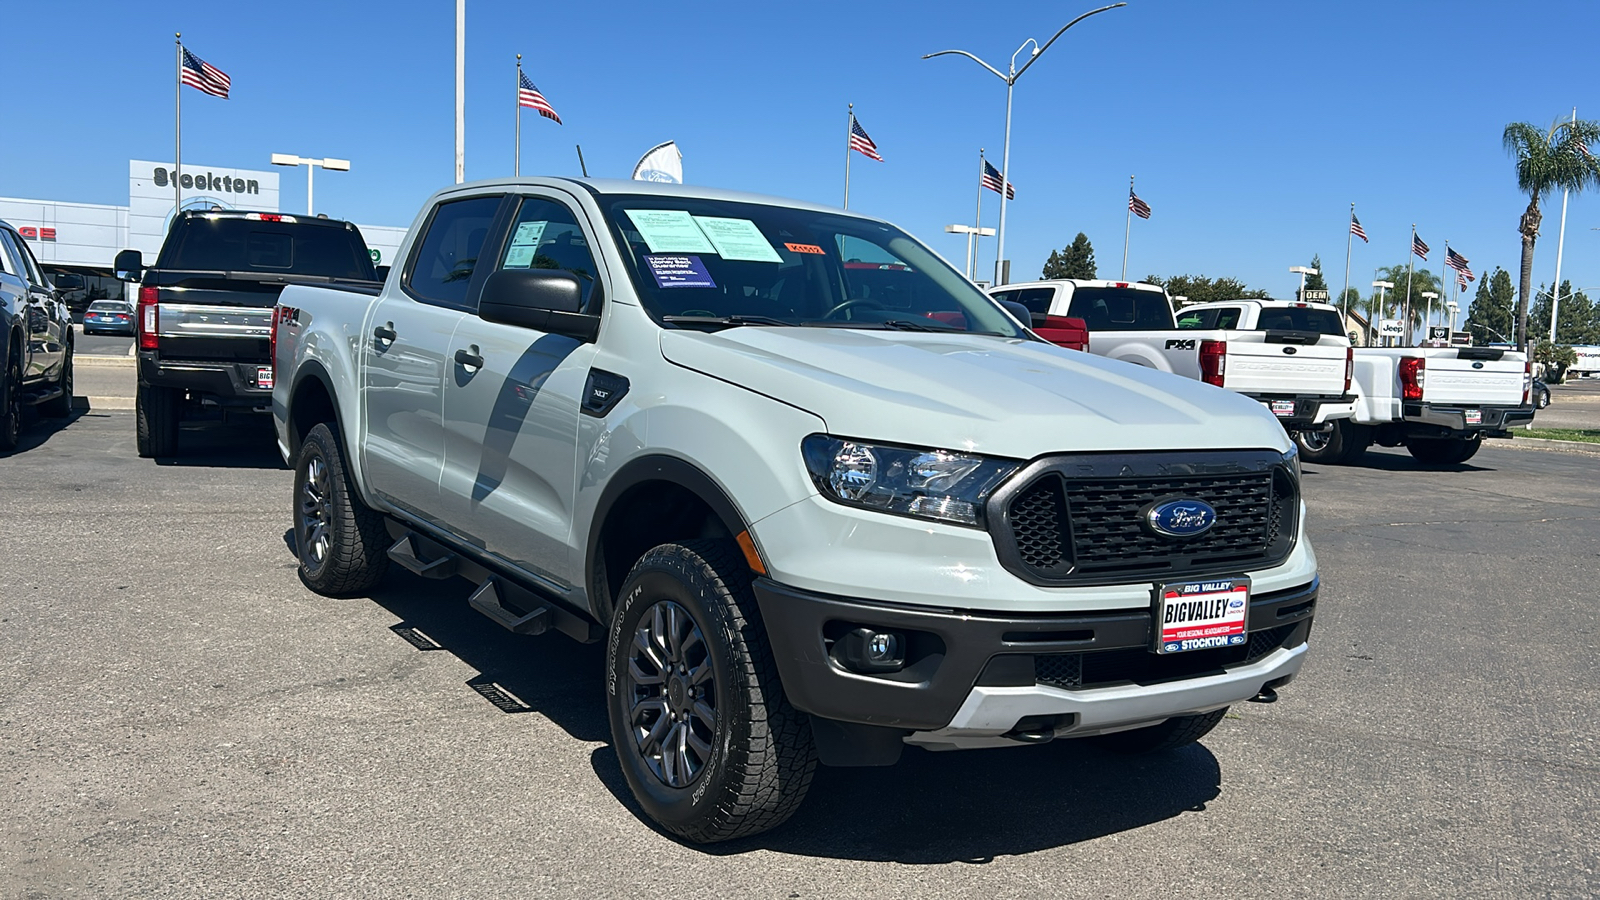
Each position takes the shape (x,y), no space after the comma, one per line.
(1382,286)
(1010,79)
(1429,296)
(1452,307)
(1555,304)
(331,164)
(1303,271)
(972,234)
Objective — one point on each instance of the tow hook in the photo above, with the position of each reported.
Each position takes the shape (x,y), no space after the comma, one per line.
(1267,695)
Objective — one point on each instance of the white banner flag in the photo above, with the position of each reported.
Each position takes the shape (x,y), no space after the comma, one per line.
(662,163)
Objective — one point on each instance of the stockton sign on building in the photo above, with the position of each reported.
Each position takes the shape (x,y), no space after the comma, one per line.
(207,181)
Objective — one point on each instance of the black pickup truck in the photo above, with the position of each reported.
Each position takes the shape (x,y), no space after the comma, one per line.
(204,318)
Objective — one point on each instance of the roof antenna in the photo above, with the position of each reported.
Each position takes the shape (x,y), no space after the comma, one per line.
(580,160)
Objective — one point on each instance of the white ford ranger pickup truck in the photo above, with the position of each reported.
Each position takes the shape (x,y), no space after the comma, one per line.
(815,514)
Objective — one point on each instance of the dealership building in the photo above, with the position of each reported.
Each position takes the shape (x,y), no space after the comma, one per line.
(82,239)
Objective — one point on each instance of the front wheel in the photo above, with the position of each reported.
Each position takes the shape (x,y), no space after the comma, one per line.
(1178,731)
(339,539)
(708,742)
(1444,451)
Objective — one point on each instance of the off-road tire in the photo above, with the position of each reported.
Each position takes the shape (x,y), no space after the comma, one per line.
(61,407)
(157,410)
(763,755)
(1178,731)
(11,402)
(355,555)
(1444,451)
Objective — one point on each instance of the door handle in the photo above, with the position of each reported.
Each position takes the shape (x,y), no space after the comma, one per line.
(469,358)
(385,332)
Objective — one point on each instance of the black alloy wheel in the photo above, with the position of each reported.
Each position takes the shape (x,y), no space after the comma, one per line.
(672,695)
(339,539)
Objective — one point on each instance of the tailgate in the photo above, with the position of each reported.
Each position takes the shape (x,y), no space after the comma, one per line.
(1257,367)
(1473,382)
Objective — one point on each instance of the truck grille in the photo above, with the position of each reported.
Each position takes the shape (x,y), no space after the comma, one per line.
(1102,668)
(1080,520)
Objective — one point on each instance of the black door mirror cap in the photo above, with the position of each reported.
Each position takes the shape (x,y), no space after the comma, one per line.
(548,300)
(129,265)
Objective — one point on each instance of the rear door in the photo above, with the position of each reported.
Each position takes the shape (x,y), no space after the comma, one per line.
(43,326)
(511,403)
(1473,377)
(13,297)
(404,354)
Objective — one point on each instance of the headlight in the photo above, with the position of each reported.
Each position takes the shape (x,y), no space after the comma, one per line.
(1292,460)
(927,484)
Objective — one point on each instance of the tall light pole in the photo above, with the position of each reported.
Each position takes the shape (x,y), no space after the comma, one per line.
(1303,271)
(1381,286)
(331,164)
(461,91)
(1452,308)
(1429,296)
(971,233)
(1010,78)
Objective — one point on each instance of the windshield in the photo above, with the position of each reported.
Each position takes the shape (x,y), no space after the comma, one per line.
(699,263)
(229,244)
(1121,309)
(1300,318)
(108,306)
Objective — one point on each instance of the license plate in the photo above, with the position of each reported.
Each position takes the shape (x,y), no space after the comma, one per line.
(264,377)
(1474,417)
(1201,615)
(1282,408)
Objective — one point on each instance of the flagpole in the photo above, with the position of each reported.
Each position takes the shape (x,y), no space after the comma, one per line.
(1411,259)
(1555,289)
(177,140)
(977,223)
(461,91)
(1349,236)
(849,128)
(516,168)
(1127,230)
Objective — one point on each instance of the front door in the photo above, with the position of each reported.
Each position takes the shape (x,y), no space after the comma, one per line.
(511,408)
(405,361)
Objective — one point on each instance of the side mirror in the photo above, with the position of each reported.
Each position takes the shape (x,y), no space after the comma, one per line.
(547,300)
(1017,310)
(129,265)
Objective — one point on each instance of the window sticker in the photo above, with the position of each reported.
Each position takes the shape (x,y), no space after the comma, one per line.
(670,231)
(679,271)
(805,248)
(519,256)
(737,239)
(528,234)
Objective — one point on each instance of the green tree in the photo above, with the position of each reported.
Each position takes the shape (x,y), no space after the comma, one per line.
(1555,358)
(1316,282)
(1075,261)
(1547,161)
(1200,289)
(1490,316)
(1576,323)
(1420,281)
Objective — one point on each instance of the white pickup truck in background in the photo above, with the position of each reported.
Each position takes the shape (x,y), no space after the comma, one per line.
(1294,358)
(1438,402)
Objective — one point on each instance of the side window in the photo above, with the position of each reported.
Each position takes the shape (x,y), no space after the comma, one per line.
(1227,317)
(8,255)
(25,257)
(443,263)
(1037,300)
(1200,319)
(1003,296)
(546,235)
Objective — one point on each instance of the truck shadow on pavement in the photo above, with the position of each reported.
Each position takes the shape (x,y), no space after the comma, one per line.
(37,430)
(244,443)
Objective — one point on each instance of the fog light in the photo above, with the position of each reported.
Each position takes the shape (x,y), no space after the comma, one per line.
(870,650)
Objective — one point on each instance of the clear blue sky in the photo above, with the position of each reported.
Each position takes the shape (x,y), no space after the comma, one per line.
(1251,126)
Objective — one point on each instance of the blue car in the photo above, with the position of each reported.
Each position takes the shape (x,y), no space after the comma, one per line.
(108,317)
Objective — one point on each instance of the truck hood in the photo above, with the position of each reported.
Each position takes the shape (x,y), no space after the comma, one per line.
(969,392)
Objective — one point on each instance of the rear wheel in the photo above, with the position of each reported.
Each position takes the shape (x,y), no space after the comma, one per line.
(1444,451)
(61,407)
(339,539)
(1178,731)
(11,402)
(707,740)
(1343,443)
(157,410)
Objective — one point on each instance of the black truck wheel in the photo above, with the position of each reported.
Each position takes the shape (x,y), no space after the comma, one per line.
(339,539)
(11,402)
(61,407)
(157,410)
(1178,731)
(1444,451)
(708,742)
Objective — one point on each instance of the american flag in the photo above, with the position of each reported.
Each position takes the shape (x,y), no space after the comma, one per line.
(1419,248)
(200,74)
(991,180)
(860,141)
(1139,207)
(1357,230)
(529,96)
(1461,281)
(1458,262)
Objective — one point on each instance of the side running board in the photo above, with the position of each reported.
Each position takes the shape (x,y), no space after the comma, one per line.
(486,599)
(405,553)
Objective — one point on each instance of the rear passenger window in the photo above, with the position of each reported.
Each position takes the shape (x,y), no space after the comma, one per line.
(546,235)
(1199,320)
(1227,318)
(442,265)
(1037,300)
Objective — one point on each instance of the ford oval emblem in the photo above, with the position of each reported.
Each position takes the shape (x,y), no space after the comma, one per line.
(1182,518)
(1290,350)
(1477,365)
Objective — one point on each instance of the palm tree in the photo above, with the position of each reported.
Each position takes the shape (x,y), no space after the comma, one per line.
(1557,159)
(1420,281)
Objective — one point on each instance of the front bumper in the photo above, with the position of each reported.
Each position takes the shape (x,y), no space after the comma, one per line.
(231,383)
(966,672)
(1451,421)
(1310,413)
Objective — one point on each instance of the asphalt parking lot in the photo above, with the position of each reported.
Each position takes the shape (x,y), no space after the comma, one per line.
(180,717)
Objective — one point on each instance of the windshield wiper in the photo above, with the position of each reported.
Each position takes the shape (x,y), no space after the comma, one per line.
(910,325)
(724,320)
